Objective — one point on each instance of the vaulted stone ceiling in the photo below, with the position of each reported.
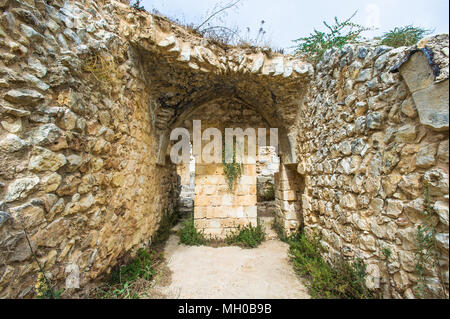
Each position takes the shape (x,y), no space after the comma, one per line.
(184,71)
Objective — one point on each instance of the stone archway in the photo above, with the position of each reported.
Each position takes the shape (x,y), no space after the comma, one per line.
(185,73)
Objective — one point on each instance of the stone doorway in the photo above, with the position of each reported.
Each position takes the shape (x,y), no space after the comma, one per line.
(186,176)
(289,192)
(268,164)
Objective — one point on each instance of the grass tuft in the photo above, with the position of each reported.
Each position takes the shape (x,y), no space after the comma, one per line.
(133,280)
(338,34)
(278,228)
(189,235)
(404,36)
(247,236)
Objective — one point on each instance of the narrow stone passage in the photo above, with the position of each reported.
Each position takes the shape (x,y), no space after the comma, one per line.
(230,272)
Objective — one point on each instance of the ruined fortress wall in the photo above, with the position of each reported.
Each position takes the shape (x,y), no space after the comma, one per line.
(369,151)
(82,129)
(77,145)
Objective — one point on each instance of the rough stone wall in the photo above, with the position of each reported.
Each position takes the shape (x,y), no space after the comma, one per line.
(368,142)
(88,92)
(77,163)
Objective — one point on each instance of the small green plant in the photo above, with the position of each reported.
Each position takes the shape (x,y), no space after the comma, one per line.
(232,171)
(247,236)
(427,253)
(44,287)
(339,280)
(404,36)
(135,279)
(132,280)
(140,267)
(189,235)
(339,34)
(387,253)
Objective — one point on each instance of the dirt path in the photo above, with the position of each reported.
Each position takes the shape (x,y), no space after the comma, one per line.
(230,272)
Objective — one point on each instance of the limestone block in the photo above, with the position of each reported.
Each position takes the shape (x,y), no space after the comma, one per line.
(24,97)
(251,211)
(21,187)
(12,143)
(441,208)
(202,200)
(417,73)
(443,154)
(394,208)
(426,156)
(433,106)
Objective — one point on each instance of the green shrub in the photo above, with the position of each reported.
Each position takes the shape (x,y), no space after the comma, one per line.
(404,36)
(248,236)
(168,220)
(427,253)
(339,34)
(44,290)
(132,280)
(140,267)
(341,280)
(189,234)
(233,170)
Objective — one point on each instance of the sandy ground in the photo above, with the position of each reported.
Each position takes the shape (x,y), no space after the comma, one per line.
(230,272)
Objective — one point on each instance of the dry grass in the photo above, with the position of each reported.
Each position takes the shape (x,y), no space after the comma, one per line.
(102,68)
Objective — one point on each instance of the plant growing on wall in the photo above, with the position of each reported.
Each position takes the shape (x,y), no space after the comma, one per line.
(103,69)
(427,253)
(233,170)
(387,253)
(339,34)
(404,36)
(336,279)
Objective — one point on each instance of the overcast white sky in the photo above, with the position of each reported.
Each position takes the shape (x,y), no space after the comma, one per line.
(287,20)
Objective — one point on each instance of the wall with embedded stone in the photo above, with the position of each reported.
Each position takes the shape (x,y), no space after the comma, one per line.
(78,166)
(370,142)
(89,92)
